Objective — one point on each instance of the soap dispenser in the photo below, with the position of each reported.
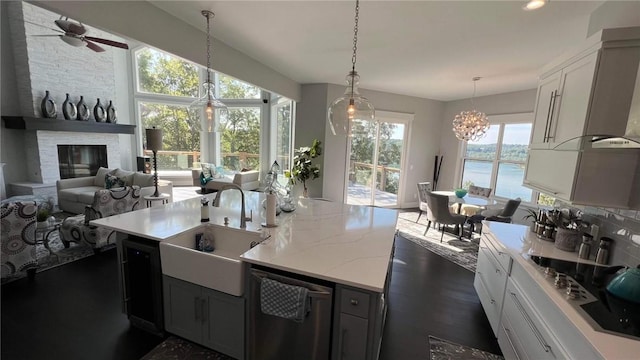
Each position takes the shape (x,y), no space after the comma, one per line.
(204,210)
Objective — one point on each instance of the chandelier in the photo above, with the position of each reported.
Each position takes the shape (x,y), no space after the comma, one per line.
(471,125)
(213,108)
(351,105)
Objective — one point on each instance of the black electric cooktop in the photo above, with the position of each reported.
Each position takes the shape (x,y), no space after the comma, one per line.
(606,313)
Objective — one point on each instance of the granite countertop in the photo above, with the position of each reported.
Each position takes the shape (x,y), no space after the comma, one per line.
(521,243)
(346,244)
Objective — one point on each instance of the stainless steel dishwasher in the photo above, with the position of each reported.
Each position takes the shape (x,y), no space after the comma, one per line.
(275,338)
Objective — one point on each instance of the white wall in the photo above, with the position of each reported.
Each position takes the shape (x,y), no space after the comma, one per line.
(422,146)
(148,24)
(509,103)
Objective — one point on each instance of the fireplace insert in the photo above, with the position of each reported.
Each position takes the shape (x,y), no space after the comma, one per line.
(81,160)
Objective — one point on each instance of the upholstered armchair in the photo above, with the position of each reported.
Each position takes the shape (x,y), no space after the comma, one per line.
(105,203)
(438,212)
(18,250)
(423,189)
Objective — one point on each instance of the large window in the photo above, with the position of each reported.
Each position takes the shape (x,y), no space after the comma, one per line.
(166,85)
(498,160)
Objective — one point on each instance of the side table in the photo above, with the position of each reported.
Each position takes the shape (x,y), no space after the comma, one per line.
(164,198)
(46,231)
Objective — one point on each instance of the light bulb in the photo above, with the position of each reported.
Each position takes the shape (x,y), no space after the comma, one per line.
(534,4)
(351,109)
(209,111)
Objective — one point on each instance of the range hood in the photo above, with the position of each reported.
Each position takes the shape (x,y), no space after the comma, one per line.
(587,142)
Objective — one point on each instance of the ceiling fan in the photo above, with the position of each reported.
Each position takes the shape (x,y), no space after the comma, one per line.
(73,33)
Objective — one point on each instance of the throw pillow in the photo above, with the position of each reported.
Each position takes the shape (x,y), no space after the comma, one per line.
(99,178)
(112,181)
(208,169)
(143,180)
(124,175)
(219,173)
(204,180)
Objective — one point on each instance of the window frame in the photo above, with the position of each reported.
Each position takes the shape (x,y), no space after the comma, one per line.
(209,142)
(501,120)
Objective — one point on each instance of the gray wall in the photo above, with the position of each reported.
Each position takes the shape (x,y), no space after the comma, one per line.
(12,150)
(614,14)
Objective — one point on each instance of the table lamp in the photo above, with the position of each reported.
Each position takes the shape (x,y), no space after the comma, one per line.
(154,143)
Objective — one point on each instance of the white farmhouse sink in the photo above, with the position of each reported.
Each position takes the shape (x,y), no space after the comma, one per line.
(219,270)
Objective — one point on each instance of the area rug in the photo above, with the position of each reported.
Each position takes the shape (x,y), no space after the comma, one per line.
(176,348)
(60,256)
(440,349)
(461,252)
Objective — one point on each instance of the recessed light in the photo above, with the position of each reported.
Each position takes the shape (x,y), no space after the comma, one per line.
(534,4)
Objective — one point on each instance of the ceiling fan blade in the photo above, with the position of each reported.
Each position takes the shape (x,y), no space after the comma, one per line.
(70,26)
(108,42)
(46,27)
(47,35)
(94,47)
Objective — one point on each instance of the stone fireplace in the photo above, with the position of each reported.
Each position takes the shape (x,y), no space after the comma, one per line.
(42,151)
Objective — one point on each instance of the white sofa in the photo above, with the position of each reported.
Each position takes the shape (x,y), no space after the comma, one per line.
(76,193)
(247,180)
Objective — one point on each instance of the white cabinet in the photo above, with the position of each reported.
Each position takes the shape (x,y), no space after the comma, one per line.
(590,93)
(491,279)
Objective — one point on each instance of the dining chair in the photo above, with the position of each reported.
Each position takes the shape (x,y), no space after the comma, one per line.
(477,191)
(438,212)
(503,214)
(423,189)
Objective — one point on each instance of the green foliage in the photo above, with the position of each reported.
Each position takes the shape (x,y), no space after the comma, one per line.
(532,214)
(514,152)
(42,215)
(303,168)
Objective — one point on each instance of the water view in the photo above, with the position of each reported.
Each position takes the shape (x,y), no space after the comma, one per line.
(508,184)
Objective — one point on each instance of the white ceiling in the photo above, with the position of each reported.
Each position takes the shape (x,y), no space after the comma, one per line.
(428,49)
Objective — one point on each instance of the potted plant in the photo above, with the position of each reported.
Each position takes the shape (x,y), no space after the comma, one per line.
(533,215)
(568,229)
(42,217)
(303,168)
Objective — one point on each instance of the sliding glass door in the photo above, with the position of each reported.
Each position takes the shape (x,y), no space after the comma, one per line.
(376,153)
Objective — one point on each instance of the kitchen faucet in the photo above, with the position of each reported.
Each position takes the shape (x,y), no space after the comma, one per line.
(243,218)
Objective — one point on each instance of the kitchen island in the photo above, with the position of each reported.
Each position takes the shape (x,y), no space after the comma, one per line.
(345,248)
(530,315)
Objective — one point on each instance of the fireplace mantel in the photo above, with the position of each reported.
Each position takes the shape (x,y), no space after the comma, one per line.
(31,123)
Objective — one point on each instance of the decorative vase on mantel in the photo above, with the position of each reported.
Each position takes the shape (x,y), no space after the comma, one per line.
(99,113)
(48,107)
(69,109)
(112,115)
(83,110)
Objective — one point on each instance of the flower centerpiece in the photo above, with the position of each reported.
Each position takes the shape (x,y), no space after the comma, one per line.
(303,168)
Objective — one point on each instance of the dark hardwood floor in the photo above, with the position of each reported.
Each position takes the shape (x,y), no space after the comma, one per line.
(73,311)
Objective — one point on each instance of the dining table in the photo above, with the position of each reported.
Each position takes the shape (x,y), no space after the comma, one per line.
(477,203)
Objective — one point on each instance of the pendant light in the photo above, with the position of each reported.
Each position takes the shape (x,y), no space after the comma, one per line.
(351,105)
(213,108)
(471,125)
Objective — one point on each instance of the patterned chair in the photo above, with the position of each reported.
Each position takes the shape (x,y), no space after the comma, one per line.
(18,251)
(105,203)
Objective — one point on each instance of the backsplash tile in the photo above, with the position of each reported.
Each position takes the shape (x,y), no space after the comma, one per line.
(623,226)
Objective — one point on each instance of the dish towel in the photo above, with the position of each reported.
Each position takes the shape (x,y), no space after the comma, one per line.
(285,301)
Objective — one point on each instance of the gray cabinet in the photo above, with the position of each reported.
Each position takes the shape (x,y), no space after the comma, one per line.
(204,316)
(353,337)
(359,319)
